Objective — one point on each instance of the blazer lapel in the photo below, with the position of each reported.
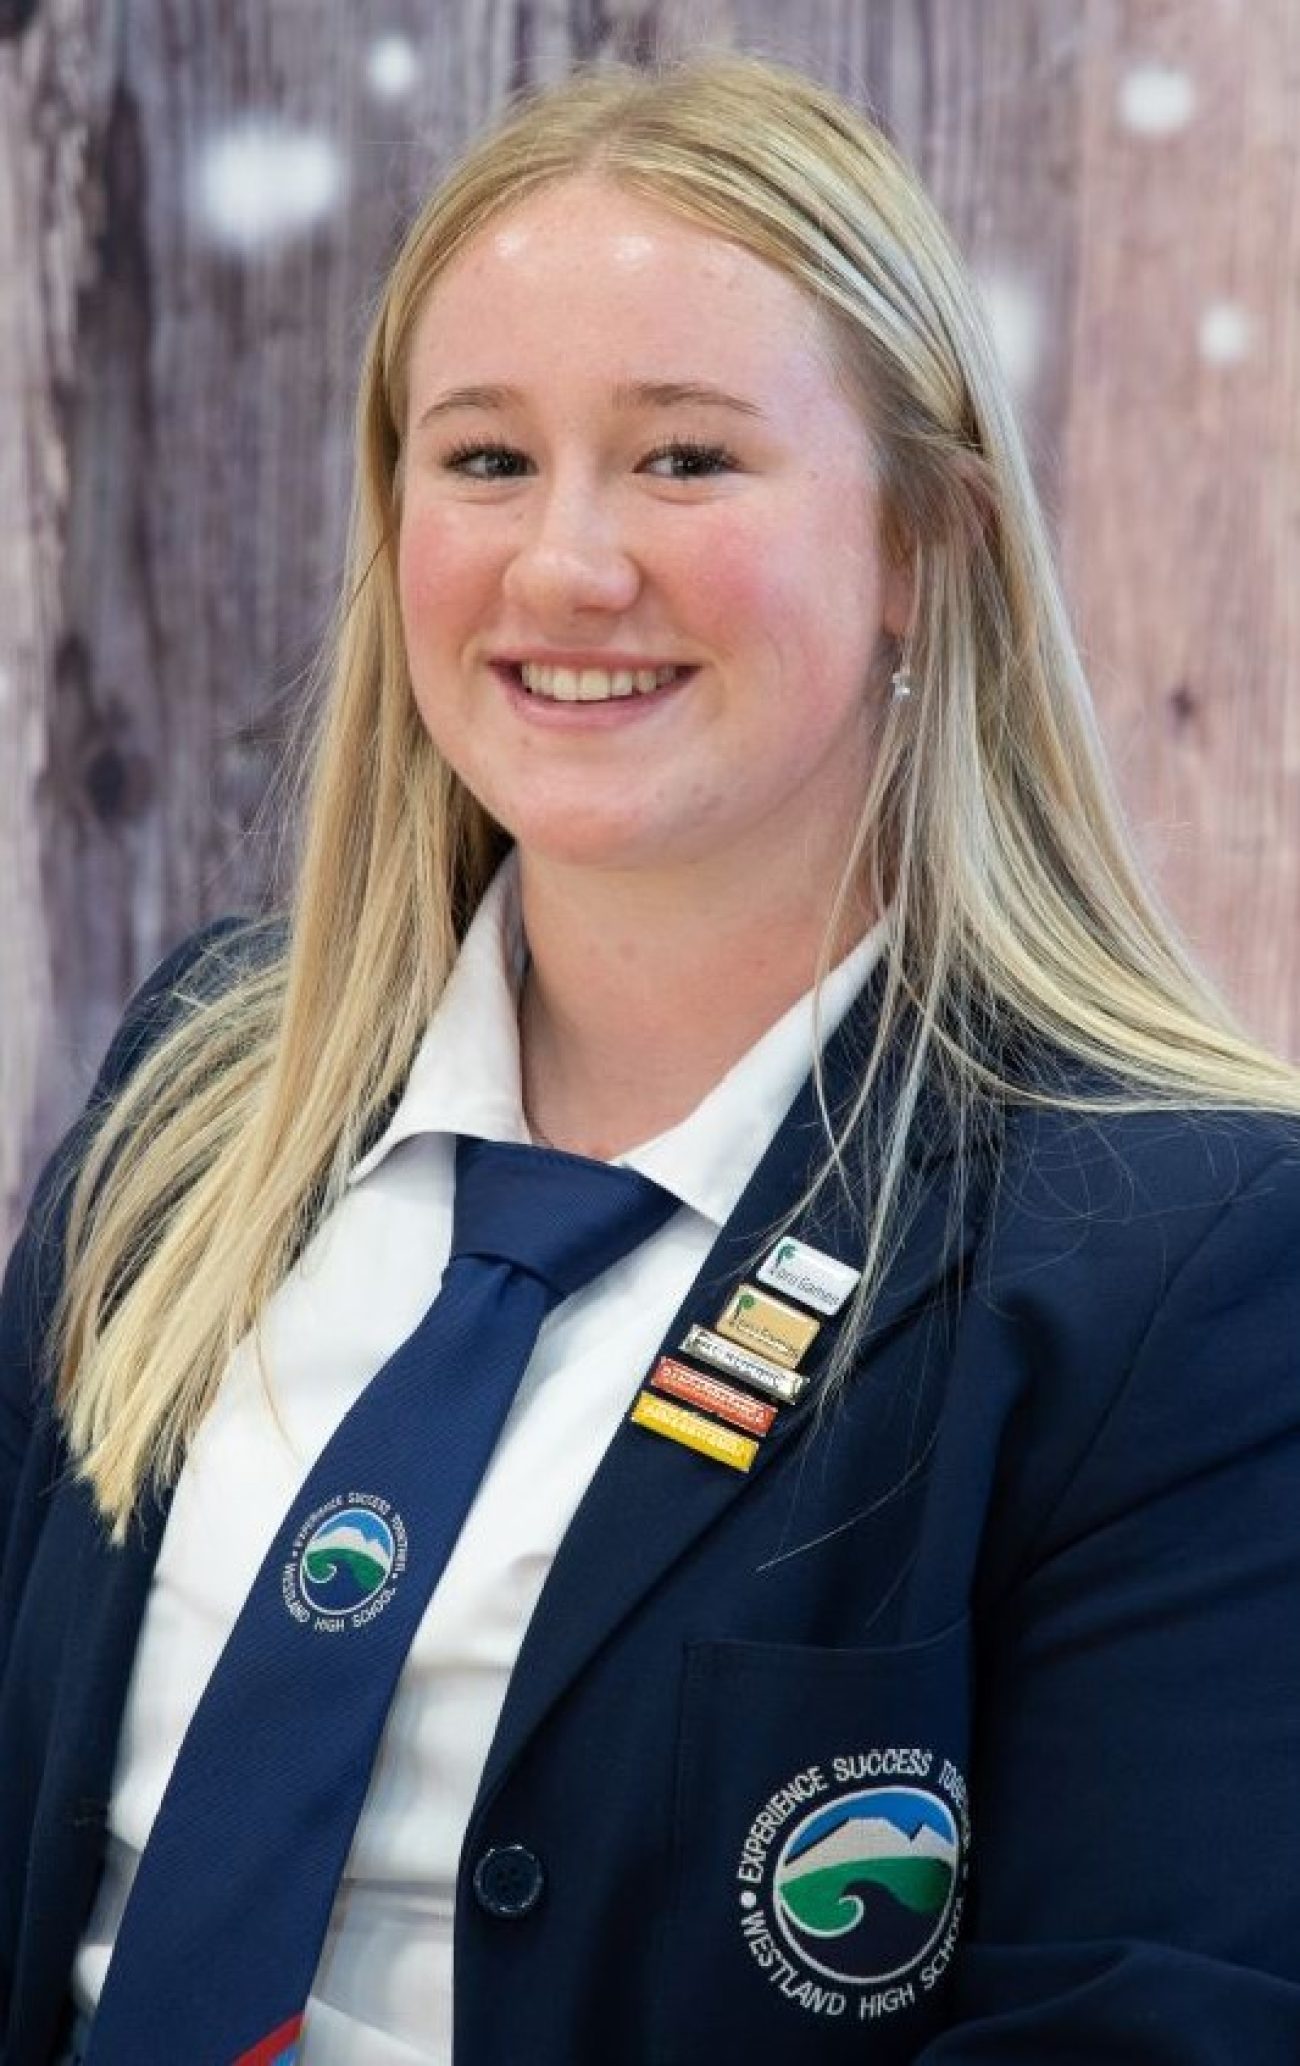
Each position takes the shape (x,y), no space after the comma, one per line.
(650,1499)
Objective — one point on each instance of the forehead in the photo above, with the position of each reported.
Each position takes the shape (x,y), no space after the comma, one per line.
(585,272)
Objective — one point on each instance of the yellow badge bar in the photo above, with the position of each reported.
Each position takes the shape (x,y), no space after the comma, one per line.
(693,1431)
(767,1325)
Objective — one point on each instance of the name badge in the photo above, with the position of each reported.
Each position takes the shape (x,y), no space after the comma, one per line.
(804,1273)
(753,1370)
(693,1431)
(775,1330)
(713,1396)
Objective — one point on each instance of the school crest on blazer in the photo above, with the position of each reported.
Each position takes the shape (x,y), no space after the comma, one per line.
(851,1880)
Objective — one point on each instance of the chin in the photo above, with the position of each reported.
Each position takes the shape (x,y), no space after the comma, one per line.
(587,840)
(574,849)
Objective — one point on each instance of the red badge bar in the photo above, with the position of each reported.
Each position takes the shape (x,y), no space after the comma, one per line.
(710,1393)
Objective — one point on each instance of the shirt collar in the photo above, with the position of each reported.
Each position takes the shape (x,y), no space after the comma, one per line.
(465,1078)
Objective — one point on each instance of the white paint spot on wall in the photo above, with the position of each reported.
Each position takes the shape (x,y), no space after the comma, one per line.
(262,184)
(1156,100)
(1015,317)
(392,67)
(1225,334)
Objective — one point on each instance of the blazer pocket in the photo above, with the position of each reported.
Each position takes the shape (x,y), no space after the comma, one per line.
(821,1842)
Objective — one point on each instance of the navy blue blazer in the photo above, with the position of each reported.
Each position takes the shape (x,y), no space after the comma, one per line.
(963,1729)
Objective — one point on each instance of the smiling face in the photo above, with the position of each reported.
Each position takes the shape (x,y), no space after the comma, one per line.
(626,451)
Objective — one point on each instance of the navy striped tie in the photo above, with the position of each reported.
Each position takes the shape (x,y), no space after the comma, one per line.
(219,1943)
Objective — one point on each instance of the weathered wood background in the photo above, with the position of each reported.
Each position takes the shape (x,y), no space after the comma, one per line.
(197,198)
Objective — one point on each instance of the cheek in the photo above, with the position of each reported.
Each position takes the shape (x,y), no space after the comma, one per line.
(800,588)
(431,593)
(435,571)
(741,578)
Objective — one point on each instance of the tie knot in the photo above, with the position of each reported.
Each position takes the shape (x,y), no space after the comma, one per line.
(560,1217)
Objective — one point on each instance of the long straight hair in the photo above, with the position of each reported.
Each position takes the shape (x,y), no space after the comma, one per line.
(989,831)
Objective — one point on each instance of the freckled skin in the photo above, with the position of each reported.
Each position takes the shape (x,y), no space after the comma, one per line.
(767,575)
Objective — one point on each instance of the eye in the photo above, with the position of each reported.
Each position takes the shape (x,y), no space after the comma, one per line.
(503,461)
(695,458)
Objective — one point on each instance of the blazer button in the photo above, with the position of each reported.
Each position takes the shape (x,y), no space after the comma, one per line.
(508,1881)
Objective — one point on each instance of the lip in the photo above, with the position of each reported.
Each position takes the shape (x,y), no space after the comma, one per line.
(613,663)
(617,711)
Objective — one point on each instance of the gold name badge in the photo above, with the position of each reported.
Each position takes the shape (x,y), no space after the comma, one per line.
(693,1431)
(768,1325)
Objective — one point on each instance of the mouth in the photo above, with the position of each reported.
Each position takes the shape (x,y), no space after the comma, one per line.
(590,685)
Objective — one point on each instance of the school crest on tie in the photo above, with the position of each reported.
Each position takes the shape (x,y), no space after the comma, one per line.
(344,1563)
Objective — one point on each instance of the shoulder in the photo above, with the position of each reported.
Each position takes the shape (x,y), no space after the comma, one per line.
(1138,1291)
(1161,1176)
(1103,1220)
(206,964)
(203,967)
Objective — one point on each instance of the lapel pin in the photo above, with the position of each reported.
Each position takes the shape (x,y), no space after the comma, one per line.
(679,1424)
(775,1330)
(710,1348)
(804,1273)
(710,1393)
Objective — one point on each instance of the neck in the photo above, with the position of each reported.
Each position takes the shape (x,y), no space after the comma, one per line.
(642,993)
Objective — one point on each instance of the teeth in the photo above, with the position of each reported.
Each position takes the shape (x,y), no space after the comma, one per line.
(594,684)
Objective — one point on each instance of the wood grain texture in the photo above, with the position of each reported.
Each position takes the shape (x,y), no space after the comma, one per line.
(1182,513)
(176,375)
(45,90)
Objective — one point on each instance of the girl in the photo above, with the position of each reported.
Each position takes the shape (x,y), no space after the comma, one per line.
(860,1622)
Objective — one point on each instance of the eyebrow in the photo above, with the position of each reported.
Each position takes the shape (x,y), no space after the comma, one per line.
(628,395)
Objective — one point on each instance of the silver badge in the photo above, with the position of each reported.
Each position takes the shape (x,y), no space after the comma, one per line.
(743,1363)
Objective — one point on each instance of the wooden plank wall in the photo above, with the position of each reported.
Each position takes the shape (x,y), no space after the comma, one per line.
(197,198)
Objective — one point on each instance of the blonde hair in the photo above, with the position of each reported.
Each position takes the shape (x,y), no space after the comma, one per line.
(989,831)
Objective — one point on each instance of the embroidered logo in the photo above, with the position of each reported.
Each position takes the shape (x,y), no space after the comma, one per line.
(344,1563)
(851,1896)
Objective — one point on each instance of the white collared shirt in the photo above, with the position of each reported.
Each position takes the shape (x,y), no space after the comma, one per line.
(382,1995)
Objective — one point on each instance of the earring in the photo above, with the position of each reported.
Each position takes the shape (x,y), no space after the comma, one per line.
(901,683)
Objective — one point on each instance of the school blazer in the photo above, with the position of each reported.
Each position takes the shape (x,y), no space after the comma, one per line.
(962,1729)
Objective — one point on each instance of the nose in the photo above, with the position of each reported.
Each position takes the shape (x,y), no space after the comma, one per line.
(572,556)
